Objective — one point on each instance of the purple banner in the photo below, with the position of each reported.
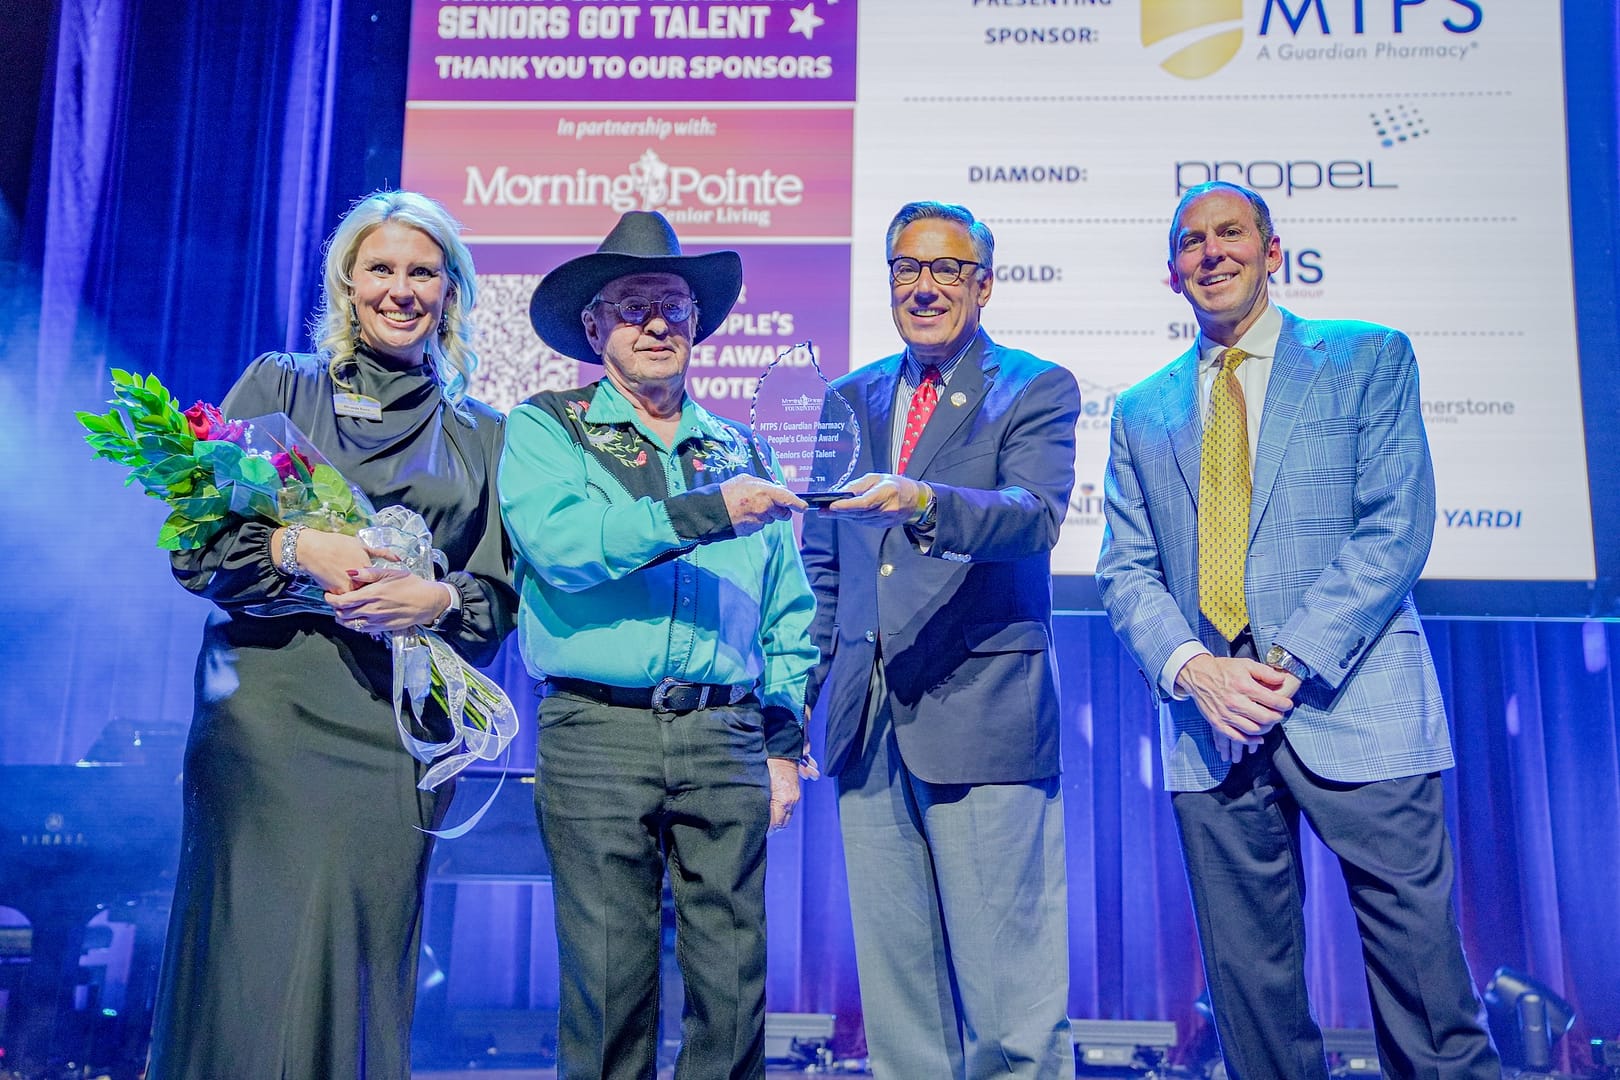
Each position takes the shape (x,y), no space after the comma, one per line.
(780,50)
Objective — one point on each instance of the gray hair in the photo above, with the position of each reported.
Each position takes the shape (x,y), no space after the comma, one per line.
(1262,212)
(334,324)
(984,244)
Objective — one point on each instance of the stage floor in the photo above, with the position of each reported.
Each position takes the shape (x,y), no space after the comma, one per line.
(551,1074)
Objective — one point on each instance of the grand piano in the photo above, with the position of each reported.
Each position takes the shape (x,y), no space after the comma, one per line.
(101,835)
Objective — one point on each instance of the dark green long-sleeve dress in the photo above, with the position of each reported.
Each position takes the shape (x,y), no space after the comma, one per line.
(292,945)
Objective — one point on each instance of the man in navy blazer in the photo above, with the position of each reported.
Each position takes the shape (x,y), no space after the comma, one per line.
(1323,704)
(934,620)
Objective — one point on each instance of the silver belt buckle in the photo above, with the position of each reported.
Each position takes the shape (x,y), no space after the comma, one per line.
(660,693)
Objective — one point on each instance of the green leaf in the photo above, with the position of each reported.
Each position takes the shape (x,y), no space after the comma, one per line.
(173,529)
(147,478)
(170,468)
(163,443)
(96,423)
(203,488)
(215,451)
(181,533)
(252,502)
(110,453)
(114,423)
(128,396)
(206,507)
(331,488)
(260,473)
(108,446)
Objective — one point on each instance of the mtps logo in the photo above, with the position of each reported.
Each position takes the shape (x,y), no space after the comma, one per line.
(1202,36)
(1216,27)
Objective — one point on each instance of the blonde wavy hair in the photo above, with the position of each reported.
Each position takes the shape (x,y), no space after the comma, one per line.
(335,326)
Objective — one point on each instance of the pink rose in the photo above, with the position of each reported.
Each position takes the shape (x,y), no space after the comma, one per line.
(287,468)
(641,458)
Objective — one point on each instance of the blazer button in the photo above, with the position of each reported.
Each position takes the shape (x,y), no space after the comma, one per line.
(871,635)
(886,569)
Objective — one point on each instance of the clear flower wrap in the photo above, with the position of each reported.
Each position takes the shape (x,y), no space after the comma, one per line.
(206,467)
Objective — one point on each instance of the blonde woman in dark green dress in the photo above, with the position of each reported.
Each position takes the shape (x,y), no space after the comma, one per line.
(293,942)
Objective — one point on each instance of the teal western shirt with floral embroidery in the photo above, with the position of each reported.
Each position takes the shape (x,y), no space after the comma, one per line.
(627,565)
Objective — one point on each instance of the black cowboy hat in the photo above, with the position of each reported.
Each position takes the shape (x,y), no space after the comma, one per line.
(643,242)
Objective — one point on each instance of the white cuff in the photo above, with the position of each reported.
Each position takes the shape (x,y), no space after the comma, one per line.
(455,604)
(1172,667)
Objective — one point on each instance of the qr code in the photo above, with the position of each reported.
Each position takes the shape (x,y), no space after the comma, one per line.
(513,362)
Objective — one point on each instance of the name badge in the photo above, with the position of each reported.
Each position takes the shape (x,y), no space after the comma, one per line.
(357,405)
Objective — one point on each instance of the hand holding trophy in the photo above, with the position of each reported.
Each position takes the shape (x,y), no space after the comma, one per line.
(808,424)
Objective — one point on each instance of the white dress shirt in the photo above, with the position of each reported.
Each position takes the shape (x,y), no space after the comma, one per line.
(1254,375)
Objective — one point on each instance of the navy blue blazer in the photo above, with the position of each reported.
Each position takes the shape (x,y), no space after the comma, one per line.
(965,627)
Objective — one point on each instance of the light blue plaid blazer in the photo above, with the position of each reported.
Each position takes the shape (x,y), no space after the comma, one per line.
(1339,530)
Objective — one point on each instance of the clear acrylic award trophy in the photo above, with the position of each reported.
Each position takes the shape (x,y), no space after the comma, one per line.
(809,425)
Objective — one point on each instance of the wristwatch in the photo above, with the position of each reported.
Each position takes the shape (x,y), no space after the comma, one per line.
(928,511)
(1285,661)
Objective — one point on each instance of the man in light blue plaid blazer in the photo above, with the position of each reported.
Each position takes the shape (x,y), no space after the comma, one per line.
(1325,706)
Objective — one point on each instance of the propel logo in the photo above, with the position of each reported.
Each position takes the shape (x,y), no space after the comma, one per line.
(1214,25)
(649,183)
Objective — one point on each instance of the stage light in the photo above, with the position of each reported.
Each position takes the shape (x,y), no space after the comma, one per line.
(1349,1051)
(1121,1047)
(799,1038)
(1606,1056)
(1526,1017)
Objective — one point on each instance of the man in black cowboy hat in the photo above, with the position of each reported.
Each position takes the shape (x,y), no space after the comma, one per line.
(665,606)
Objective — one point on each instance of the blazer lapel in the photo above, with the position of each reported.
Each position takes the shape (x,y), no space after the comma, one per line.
(1293,371)
(1182,419)
(957,401)
(877,424)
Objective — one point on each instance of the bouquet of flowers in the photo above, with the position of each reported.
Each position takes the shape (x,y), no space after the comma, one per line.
(207,467)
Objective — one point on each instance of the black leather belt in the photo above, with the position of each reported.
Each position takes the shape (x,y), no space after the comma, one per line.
(669,696)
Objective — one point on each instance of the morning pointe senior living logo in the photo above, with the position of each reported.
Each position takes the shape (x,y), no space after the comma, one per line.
(685,193)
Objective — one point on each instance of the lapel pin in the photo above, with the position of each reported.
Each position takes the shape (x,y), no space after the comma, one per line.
(959,399)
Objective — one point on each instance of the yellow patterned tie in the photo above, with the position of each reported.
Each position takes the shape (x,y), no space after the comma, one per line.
(1224,486)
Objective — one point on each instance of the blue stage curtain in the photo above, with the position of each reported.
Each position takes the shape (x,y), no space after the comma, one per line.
(191,160)
(187,164)
(188,161)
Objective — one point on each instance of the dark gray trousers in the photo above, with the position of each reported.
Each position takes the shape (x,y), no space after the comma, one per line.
(1241,842)
(621,793)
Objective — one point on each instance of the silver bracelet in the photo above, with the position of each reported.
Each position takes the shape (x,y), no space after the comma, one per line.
(287,558)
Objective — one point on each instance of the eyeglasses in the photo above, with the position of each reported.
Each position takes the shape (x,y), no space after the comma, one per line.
(636,310)
(947,271)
